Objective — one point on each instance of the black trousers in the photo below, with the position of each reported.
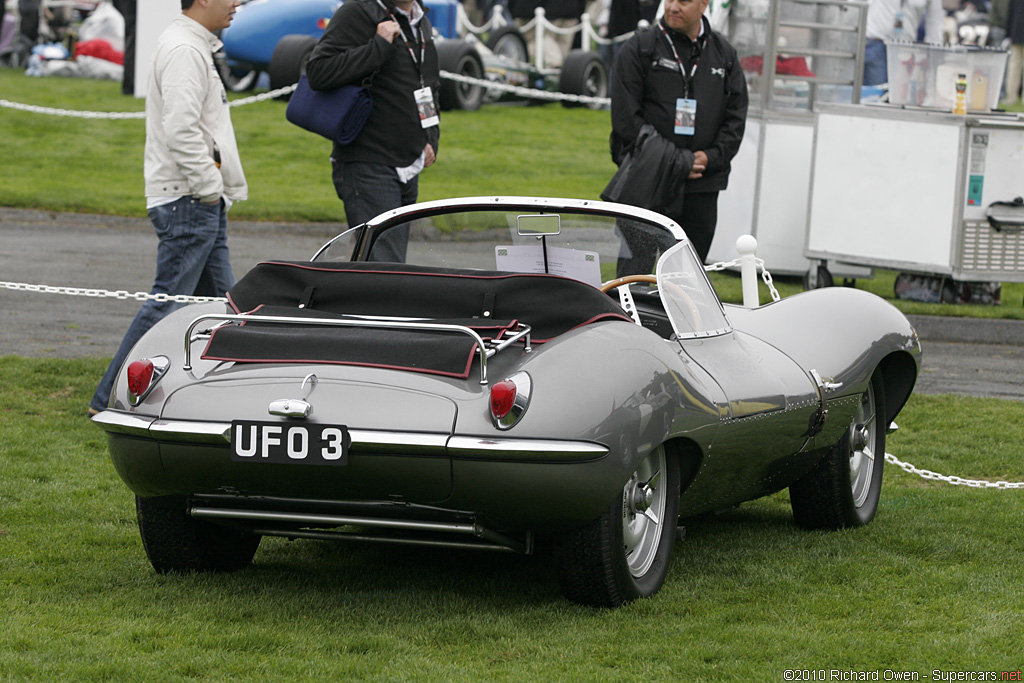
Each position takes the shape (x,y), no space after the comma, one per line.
(641,247)
(127,9)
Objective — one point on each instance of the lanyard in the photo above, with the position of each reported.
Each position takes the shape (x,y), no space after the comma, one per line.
(682,69)
(408,45)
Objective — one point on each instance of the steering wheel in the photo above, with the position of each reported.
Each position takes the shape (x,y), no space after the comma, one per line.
(625,296)
(627,280)
(626,299)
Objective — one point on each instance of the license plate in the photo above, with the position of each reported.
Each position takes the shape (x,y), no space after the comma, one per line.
(281,442)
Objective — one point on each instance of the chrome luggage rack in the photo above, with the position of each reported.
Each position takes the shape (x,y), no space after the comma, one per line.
(484,349)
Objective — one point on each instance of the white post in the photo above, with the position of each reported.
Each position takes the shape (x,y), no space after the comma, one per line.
(746,245)
(538,37)
(462,22)
(497,18)
(587,33)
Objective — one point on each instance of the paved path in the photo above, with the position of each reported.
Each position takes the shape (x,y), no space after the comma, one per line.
(974,357)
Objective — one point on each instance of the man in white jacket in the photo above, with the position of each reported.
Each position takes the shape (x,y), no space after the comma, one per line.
(897,20)
(192,170)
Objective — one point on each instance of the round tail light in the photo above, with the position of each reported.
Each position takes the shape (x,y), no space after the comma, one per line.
(140,376)
(143,375)
(509,399)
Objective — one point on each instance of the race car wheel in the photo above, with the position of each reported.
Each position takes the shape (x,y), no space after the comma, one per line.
(240,80)
(508,41)
(177,542)
(583,73)
(623,554)
(460,58)
(843,489)
(288,62)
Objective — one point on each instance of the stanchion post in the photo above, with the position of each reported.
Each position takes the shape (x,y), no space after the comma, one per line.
(746,245)
(538,37)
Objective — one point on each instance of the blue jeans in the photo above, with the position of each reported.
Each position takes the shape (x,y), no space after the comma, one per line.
(191,258)
(876,68)
(368,190)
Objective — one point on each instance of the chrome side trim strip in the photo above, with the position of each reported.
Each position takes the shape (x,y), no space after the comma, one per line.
(116,422)
(331,520)
(219,434)
(482,448)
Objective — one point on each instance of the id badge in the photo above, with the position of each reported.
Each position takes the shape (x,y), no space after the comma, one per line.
(686,116)
(899,23)
(427,108)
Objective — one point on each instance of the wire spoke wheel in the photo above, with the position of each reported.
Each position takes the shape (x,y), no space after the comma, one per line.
(623,554)
(643,512)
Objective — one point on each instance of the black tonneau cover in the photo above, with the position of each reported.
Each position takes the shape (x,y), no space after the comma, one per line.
(491,303)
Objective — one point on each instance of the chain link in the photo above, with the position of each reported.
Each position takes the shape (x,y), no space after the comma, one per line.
(529,93)
(115,115)
(765,275)
(124,295)
(121,294)
(956,481)
(532,93)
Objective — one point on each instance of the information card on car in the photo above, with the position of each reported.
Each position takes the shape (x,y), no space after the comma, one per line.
(577,264)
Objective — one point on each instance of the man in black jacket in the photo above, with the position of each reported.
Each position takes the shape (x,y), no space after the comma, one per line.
(685,80)
(387,43)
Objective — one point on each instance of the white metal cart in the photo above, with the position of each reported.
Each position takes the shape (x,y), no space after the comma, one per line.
(918,190)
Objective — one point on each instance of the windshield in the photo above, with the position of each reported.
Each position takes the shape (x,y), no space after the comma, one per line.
(690,302)
(582,240)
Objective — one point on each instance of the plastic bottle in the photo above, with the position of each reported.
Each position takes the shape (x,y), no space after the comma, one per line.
(960,103)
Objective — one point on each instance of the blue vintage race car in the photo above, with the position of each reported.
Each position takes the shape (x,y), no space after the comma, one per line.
(276,37)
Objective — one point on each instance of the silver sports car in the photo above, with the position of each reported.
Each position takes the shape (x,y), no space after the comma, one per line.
(494,371)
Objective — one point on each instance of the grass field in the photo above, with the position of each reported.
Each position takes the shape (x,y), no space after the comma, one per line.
(935,582)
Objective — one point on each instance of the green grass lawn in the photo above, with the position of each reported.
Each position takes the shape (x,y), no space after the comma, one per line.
(935,582)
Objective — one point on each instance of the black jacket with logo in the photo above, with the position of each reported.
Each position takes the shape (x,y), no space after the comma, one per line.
(646,82)
(350,51)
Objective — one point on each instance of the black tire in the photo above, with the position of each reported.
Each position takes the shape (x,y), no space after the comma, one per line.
(624,555)
(583,73)
(461,58)
(176,542)
(508,41)
(238,81)
(288,62)
(825,279)
(843,489)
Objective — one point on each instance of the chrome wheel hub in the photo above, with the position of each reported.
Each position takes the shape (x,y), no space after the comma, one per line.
(862,445)
(643,512)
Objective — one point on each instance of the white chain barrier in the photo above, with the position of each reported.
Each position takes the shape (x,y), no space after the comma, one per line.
(765,275)
(956,481)
(72,113)
(124,295)
(532,93)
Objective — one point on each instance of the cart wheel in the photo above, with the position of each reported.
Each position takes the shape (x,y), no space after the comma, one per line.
(824,279)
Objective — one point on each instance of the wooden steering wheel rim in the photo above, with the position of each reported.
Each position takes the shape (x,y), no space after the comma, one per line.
(626,280)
